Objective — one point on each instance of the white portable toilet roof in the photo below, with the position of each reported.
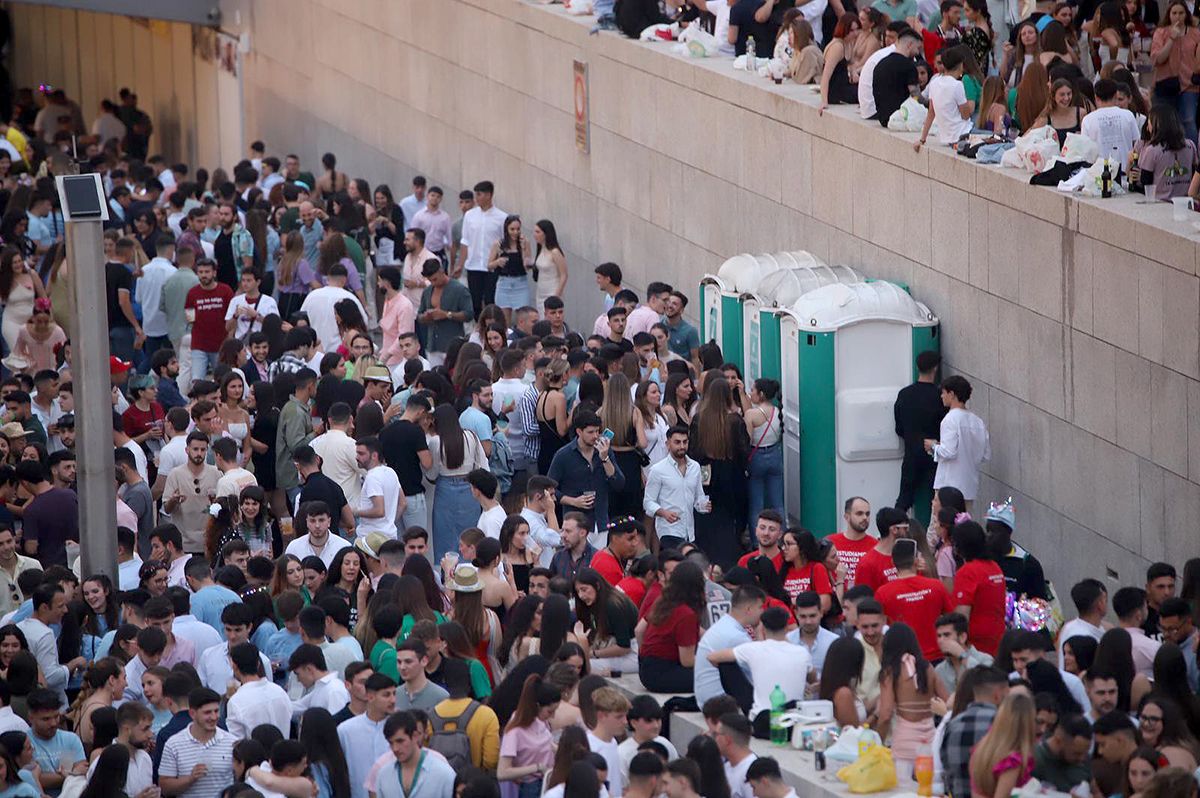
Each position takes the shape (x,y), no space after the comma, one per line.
(784,287)
(743,273)
(840,305)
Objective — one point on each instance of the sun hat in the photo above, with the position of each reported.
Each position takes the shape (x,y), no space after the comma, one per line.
(465,579)
(370,544)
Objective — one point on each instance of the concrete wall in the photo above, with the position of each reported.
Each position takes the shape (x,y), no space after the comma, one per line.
(1076,320)
(93,55)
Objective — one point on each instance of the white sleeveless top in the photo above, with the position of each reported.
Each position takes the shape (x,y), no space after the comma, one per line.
(768,434)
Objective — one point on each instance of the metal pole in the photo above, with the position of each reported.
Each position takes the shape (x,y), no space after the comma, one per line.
(93,401)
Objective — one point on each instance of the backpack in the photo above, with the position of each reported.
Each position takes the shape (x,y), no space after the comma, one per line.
(453,743)
(500,462)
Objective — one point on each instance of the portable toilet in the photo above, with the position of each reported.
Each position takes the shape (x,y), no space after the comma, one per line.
(721,301)
(847,350)
(777,290)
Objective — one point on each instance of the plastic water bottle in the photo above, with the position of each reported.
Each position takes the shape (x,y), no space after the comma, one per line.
(779,734)
(751,53)
(923,770)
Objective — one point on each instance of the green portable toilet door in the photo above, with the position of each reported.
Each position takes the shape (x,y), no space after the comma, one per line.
(770,352)
(731,330)
(818,434)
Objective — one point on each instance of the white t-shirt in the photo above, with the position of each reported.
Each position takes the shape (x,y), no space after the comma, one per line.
(612,755)
(720,10)
(946,94)
(319,307)
(379,481)
(736,776)
(266,306)
(774,662)
(233,481)
(629,748)
(491,520)
(139,459)
(481,229)
(866,81)
(1114,130)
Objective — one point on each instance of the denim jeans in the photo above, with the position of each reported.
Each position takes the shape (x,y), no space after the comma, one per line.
(202,364)
(416,513)
(120,342)
(766,481)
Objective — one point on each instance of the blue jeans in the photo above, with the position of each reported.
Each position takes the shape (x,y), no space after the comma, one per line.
(120,342)
(152,345)
(202,364)
(766,481)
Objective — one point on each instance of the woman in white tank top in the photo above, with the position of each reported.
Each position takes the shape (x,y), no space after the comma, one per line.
(765,424)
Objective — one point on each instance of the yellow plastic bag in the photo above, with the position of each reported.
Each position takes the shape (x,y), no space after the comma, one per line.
(874,771)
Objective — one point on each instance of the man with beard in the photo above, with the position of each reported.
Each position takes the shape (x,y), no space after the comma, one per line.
(415,255)
(189,489)
(852,544)
(233,249)
(205,306)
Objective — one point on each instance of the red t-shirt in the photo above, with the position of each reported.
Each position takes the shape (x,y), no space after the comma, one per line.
(634,588)
(812,576)
(609,567)
(137,422)
(979,584)
(648,600)
(917,601)
(851,551)
(875,570)
(208,330)
(777,560)
(682,628)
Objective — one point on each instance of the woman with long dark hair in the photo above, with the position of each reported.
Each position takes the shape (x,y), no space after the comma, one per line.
(414,605)
(679,398)
(979,587)
(1043,677)
(387,227)
(907,685)
(345,573)
(1171,679)
(521,631)
(103,685)
(1166,157)
(1163,727)
(254,524)
(610,619)
(418,565)
(458,646)
(508,260)
(479,622)
(108,779)
(12,784)
(527,747)
(720,443)
(1114,658)
(839,680)
(670,631)
(455,454)
(262,444)
(102,613)
(1078,653)
(714,782)
(618,416)
(802,569)
(572,747)
(326,760)
(556,627)
(19,287)
(549,263)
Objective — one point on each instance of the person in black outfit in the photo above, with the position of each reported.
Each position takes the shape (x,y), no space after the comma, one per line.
(919,413)
(896,79)
(744,22)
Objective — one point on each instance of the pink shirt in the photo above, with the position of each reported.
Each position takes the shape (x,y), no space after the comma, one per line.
(528,745)
(399,316)
(640,320)
(412,271)
(437,227)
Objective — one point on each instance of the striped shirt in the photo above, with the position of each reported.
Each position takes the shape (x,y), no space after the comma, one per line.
(183,752)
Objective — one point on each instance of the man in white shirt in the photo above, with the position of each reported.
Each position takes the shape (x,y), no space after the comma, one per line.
(645,723)
(174,452)
(336,448)
(611,707)
(773,662)
(148,293)
(9,720)
(257,700)
(233,477)
(12,565)
(1091,605)
(866,82)
(106,126)
(215,668)
(414,203)
(766,780)
(733,741)
(948,102)
(133,732)
(381,501)
(539,512)
(49,607)
(484,487)
(674,489)
(1113,128)
(963,443)
(318,542)
(249,308)
(319,307)
(362,735)
(482,226)
(187,626)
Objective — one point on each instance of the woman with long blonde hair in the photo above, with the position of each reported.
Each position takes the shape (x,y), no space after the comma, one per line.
(719,442)
(627,443)
(1003,759)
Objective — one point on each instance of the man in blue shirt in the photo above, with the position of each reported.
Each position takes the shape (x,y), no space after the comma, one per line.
(208,597)
(584,471)
(476,417)
(685,340)
(58,753)
(728,631)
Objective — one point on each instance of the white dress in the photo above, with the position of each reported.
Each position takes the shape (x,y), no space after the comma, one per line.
(17,310)
(656,441)
(549,280)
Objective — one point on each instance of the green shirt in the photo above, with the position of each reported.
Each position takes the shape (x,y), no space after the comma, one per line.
(1062,775)
(407,624)
(383,659)
(174,296)
(289,221)
(355,251)
(456,298)
(896,12)
(481,685)
(295,430)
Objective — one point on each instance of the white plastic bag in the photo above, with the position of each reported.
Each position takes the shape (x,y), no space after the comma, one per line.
(1092,179)
(1079,147)
(655,33)
(846,747)
(1034,152)
(698,43)
(910,116)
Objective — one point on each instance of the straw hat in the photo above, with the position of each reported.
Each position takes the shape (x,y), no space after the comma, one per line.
(378,374)
(13,429)
(465,579)
(370,544)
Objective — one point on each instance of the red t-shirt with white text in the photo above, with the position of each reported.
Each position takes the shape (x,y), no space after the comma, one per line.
(875,570)
(917,601)
(851,551)
(208,330)
(745,559)
(812,577)
(979,584)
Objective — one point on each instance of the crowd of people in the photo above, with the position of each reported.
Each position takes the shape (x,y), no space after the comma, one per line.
(1121,73)
(388,527)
